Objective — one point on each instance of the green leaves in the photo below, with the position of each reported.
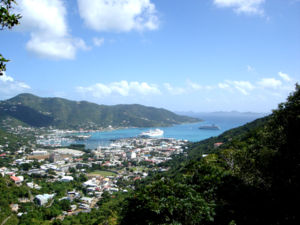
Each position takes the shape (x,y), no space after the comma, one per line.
(8,19)
(166,201)
(2,64)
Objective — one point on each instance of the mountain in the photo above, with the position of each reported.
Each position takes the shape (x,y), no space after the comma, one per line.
(28,109)
(221,114)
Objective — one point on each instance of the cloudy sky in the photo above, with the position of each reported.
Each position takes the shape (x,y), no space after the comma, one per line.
(195,55)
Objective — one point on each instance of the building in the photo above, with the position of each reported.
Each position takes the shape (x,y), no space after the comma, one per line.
(66,151)
(218,144)
(131,155)
(43,199)
(86,200)
(39,152)
(18,179)
(91,183)
(33,185)
(55,157)
(67,179)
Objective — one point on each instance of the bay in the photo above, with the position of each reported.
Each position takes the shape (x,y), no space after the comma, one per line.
(190,132)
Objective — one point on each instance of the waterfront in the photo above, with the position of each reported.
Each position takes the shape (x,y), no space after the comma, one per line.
(188,132)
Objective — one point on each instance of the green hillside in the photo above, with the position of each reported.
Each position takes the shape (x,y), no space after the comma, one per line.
(11,142)
(252,178)
(61,113)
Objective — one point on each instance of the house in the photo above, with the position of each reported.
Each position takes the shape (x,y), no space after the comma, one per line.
(67,179)
(14,207)
(18,179)
(33,185)
(73,194)
(91,183)
(86,200)
(43,199)
(84,206)
(218,144)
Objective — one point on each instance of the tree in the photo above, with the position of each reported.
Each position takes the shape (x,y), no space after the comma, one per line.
(7,20)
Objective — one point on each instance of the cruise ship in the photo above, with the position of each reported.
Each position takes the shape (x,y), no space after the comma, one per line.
(209,127)
(152,133)
(81,137)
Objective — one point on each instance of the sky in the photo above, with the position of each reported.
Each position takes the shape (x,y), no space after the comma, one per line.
(193,55)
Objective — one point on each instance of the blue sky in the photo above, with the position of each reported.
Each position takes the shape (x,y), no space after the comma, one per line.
(195,55)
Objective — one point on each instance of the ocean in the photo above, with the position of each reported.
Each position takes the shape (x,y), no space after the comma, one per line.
(190,132)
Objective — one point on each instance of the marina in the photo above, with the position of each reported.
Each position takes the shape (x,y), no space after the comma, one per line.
(189,132)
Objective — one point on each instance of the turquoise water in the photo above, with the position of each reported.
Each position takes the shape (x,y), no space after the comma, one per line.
(188,132)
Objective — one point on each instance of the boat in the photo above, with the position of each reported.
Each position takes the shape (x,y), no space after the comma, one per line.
(81,137)
(209,127)
(152,133)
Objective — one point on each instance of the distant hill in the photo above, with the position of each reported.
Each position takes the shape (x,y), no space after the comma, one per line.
(28,109)
(224,114)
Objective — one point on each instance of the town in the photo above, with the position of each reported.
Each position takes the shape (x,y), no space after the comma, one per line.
(78,177)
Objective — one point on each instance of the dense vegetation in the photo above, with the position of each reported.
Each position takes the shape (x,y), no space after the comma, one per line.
(10,142)
(253,178)
(62,113)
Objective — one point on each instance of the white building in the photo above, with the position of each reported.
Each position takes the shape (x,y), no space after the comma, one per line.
(131,155)
(91,183)
(67,179)
(41,152)
(43,199)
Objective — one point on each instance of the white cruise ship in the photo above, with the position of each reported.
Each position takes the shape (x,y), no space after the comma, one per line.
(152,133)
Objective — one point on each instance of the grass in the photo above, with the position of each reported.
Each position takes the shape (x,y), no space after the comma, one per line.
(102,173)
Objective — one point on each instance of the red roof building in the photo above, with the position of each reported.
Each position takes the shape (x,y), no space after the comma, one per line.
(15,179)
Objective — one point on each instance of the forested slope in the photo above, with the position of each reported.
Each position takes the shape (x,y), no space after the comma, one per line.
(62,113)
(253,178)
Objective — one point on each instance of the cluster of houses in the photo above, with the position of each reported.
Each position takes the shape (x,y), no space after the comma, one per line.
(120,154)
(149,150)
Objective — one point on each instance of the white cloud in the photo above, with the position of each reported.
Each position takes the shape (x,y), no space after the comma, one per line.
(98,41)
(55,48)
(4,78)
(123,88)
(46,22)
(270,83)
(224,86)
(174,90)
(242,6)
(242,86)
(9,87)
(194,85)
(284,76)
(118,15)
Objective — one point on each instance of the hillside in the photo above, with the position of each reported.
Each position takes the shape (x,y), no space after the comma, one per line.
(252,178)
(62,113)
(12,143)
